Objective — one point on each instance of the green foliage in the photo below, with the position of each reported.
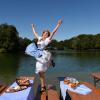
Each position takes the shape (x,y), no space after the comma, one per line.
(81,42)
(8,37)
(85,42)
(10,41)
(23,43)
(97,41)
(53,45)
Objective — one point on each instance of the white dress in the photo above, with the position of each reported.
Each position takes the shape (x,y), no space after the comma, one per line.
(41,64)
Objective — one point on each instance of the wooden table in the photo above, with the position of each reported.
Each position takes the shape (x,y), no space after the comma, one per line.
(49,94)
(52,93)
(94,95)
(96,77)
(3,88)
(27,94)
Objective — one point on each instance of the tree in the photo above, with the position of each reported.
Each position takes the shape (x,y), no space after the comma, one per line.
(97,41)
(8,37)
(53,44)
(23,43)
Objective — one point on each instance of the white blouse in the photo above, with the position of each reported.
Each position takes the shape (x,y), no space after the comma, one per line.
(43,43)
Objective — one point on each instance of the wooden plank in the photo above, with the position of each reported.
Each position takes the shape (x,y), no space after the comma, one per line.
(28,77)
(73,95)
(43,95)
(37,96)
(3,89)
(40,96)
(52,93)
(96,77)
(94,95)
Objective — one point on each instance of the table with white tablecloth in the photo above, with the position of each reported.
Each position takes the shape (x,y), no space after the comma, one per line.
(81,89)
(27,94)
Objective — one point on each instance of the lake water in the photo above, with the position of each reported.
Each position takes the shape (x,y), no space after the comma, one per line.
(74,64)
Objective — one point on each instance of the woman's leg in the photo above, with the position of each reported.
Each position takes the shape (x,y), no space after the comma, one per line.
(42,79)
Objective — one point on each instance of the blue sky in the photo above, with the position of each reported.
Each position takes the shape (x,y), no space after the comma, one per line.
(79,16)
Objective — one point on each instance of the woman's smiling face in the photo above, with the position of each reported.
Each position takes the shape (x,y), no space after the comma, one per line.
(46,34)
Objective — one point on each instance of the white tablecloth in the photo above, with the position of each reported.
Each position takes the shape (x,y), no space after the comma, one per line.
(27,94)
(81,89)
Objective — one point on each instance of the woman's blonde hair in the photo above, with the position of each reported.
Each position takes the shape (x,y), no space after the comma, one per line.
(47,32)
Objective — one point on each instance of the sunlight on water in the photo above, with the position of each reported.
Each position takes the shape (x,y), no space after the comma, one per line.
(74,64)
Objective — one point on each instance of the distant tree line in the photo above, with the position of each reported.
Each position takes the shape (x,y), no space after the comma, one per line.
(80,42)
(11,42)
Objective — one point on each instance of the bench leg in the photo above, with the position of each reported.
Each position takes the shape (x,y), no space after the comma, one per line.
(95,81)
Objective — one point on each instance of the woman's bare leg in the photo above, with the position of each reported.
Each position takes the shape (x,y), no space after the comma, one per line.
(42,79)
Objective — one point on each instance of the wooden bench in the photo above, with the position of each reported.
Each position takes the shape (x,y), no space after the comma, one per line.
(96,77)
(3,88)
(28,77)
(94,95)
(43,96)
(40,96)
(52,93)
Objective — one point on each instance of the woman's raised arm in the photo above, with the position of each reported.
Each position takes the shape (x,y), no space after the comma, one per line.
(35,33)
(55,29)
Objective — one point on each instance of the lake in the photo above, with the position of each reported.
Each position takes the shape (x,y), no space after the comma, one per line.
(74,64)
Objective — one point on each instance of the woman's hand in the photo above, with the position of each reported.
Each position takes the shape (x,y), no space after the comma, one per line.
(33,25)
(33,29)
(60,22)
(56,28)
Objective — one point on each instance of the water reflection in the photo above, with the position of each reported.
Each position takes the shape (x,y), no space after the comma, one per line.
(9,64)
(12,65)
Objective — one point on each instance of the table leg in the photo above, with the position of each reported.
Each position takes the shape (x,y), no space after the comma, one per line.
(96,80)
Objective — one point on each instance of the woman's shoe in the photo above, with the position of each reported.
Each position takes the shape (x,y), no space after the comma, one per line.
(53,64)
(43,89)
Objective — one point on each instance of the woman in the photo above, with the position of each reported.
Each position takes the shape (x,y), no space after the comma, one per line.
(41,65)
